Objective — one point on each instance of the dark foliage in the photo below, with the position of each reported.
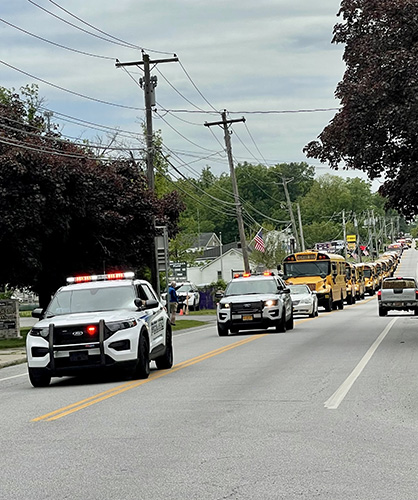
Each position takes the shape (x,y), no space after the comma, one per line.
(376,130)
(64,212)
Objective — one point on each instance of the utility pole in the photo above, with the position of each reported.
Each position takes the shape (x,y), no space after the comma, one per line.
(358,238)
(345,236)
(148,84)
(238,207)
(292,217)
(370,232)
(302,239)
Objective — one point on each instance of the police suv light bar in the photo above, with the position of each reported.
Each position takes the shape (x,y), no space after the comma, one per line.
(101,277)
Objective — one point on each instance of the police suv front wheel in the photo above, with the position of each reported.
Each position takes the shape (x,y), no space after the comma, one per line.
(165,362)
(39,377)
(222,330)
(142,368)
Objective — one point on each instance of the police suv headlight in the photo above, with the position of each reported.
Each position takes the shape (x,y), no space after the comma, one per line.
(40,332)
(270,303)
(115,326)
(226,305)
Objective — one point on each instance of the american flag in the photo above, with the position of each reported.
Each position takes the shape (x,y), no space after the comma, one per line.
(259,242)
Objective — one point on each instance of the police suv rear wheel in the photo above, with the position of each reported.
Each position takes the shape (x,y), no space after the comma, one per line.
(39,377)
(142,369)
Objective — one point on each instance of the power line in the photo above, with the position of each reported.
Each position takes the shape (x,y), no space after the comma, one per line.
(71,91)
(57,44)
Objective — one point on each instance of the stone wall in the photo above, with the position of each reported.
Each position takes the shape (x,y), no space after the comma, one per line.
(9,319)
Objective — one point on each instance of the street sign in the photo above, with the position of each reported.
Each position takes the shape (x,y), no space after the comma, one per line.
(351,238)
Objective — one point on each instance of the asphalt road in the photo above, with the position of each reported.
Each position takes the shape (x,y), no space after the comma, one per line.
(328,410)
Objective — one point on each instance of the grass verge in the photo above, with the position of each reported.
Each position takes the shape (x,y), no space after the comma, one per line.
(184,324)
(202,312)
(14,343)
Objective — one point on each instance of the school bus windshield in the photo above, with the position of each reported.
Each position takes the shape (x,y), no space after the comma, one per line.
(296,269)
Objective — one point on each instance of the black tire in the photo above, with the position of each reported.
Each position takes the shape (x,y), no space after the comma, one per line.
(328,304)
(281,323)
(349,300)
(222,330)
(290,323)
(197,307)
(316,311)
(165,362)
(382,311)
(39,377)
(340,304)
(142,368)
(313,313)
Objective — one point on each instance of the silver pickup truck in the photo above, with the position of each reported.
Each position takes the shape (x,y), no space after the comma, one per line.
(399,294)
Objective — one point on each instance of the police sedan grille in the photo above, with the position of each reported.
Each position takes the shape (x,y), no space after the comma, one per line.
(247,307)
(74,335)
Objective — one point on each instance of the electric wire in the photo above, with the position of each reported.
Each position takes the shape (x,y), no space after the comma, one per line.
(105,33)
(57,44)
(65,139)
(101,101)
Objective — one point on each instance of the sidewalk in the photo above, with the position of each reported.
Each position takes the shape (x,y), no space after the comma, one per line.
(9,357)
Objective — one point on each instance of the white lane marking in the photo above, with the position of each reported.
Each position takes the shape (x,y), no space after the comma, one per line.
(14,376)
(334,401)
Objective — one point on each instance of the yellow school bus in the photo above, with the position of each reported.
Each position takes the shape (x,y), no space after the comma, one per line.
(323,272)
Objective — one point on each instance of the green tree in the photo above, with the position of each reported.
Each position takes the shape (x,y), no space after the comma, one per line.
(376,129)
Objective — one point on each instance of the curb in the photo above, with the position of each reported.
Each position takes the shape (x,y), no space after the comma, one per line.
(4,364)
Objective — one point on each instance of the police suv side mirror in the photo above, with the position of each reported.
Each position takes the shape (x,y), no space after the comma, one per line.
(38,313)
(146,304)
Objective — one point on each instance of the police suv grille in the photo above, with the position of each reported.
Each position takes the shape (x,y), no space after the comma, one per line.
(74,335)
(247,307)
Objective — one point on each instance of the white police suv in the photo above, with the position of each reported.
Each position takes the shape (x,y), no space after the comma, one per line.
(99,322)
(255,302)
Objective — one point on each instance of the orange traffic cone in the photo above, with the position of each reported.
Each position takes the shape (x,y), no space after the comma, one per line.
(181,312)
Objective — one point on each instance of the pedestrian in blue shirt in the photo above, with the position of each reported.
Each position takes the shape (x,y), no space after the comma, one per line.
(173,302)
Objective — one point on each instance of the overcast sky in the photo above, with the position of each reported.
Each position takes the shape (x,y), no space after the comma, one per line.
(265,61)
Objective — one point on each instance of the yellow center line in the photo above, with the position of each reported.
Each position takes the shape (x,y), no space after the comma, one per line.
(74,407)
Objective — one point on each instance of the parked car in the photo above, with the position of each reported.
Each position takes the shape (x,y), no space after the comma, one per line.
(304,300)
(188,295)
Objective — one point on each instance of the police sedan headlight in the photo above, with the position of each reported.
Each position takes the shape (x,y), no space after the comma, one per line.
(306,300)
(40,332)
(270,303)
(115,326)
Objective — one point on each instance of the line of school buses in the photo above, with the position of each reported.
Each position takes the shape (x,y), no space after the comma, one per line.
(334,279)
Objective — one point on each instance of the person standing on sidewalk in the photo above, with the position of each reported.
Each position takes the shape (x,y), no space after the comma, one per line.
(173,302)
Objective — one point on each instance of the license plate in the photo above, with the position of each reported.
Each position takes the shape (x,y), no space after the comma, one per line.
(79,356)
(247,318)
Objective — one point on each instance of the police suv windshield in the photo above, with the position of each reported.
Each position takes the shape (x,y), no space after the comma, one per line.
(91,300)
(251,286)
